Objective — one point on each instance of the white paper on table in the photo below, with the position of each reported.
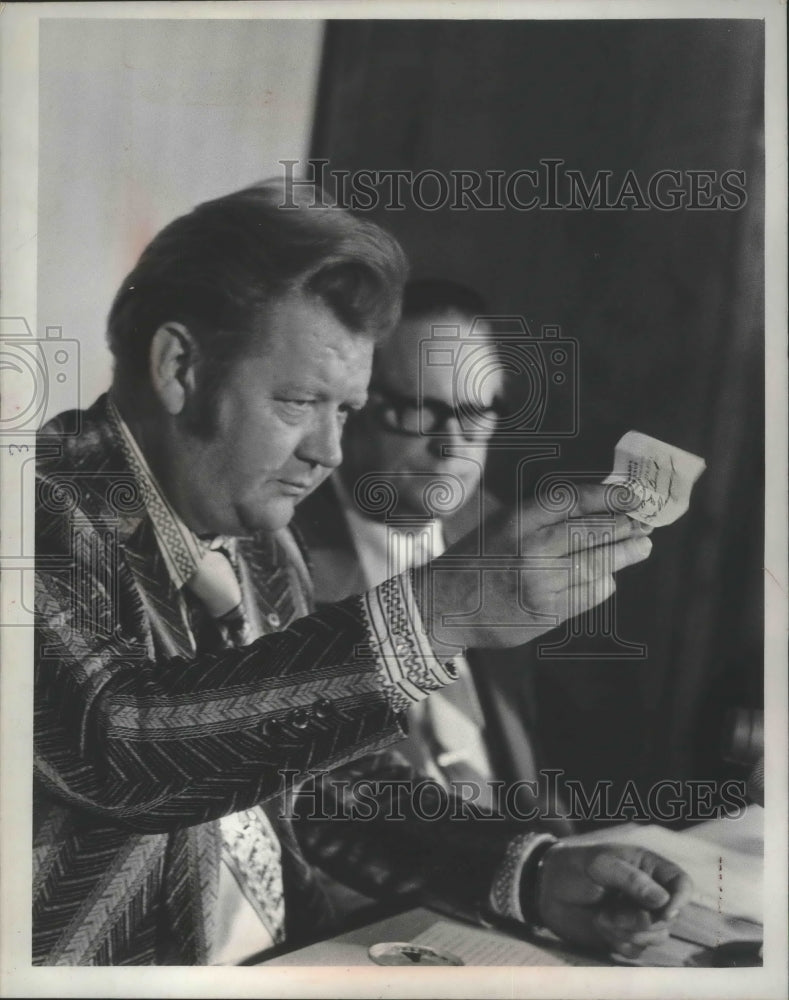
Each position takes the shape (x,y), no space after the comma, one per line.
(726,881)
(477,946)
(660,475)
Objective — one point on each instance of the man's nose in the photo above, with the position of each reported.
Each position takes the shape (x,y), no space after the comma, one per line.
(322,445)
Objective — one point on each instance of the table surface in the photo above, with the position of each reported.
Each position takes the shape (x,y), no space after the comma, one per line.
(735,839)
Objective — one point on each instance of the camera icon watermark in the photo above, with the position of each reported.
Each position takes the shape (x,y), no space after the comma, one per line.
(31,368)
(540,374)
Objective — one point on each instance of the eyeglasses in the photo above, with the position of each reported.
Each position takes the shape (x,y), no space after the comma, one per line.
(413,417)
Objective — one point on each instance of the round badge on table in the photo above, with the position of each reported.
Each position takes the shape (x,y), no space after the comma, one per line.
(404,953)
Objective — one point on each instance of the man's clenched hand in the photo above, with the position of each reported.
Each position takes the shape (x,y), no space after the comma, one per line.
(610,896)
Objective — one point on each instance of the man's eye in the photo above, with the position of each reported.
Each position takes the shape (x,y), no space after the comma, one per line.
(295,407)
(409,418)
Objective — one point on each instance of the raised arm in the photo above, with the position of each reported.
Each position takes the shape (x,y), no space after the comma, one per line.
(158,742)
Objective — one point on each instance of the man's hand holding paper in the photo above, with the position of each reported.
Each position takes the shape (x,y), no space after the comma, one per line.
(535,573)
(659,475)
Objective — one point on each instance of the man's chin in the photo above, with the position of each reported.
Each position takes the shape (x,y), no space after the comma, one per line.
(272,516)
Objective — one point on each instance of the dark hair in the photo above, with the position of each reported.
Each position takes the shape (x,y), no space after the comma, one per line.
(430,296)
(217,268)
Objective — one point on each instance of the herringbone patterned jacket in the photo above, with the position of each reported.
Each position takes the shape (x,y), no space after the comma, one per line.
(141,744)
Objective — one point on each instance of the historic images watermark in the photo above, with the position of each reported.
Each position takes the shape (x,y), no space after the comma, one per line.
(551,185)
(551,796)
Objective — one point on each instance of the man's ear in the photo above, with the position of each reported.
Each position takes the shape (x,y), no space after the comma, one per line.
(173,359)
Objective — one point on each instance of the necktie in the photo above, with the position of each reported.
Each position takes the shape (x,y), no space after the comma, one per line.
(251,851)
(216,585)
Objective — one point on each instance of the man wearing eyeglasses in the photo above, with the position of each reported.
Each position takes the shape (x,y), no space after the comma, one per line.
(181,674)
(409,485)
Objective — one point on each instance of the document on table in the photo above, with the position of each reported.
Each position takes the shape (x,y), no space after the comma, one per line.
(701,925)
(478,946)
(728,883)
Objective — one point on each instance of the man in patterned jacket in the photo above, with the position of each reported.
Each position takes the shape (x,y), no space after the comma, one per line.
(180,675)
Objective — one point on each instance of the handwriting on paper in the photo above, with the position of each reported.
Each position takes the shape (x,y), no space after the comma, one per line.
(660,475)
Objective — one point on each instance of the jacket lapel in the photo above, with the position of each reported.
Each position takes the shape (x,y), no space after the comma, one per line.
(114,494)
(162,599)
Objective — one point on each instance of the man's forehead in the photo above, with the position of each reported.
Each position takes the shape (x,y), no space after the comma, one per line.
(431,351)
(300,345)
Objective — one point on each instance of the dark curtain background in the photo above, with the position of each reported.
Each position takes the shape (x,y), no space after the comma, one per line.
(667,308)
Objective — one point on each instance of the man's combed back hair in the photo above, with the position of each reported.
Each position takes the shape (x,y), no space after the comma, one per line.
(434,296)
(217,268)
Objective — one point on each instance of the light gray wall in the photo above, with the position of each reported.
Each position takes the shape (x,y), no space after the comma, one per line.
(139,121)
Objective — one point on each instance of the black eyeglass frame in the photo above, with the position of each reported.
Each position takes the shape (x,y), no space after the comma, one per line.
(441,412)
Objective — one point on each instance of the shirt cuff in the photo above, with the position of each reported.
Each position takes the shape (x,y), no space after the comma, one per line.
(408,668)
(505,893)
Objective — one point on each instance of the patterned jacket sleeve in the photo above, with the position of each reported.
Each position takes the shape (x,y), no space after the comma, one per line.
(384,829)
(156,743)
